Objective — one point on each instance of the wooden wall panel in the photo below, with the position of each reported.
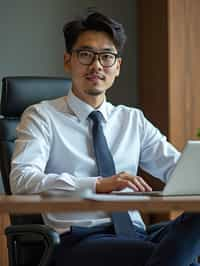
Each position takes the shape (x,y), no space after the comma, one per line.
(177,79)
(184,64)
(193,58)
(153,61)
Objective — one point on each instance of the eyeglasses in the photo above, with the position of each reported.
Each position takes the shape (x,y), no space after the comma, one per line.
(87,57)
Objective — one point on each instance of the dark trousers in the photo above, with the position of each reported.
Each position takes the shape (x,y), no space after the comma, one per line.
(176,244)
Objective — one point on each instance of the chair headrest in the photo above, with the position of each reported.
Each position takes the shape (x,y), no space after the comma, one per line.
(20,92)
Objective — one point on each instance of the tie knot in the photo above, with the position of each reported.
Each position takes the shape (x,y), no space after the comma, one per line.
(96,116)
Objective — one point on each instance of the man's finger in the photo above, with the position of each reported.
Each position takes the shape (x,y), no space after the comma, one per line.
(145,184)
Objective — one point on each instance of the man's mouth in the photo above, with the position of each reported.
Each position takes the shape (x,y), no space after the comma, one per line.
(94,77)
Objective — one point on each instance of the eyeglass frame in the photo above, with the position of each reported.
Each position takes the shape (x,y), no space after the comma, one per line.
(95,54)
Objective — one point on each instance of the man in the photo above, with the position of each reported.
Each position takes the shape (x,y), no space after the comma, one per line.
(81,141)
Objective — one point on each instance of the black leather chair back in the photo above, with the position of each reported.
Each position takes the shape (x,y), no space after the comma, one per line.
(17,94)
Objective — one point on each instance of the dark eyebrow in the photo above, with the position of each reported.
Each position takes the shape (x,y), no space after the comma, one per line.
(92,49)
(108,50)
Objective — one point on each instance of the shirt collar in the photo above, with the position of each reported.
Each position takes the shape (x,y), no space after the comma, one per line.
(81,109)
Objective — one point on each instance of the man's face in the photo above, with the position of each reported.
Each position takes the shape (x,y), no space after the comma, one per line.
(91,81)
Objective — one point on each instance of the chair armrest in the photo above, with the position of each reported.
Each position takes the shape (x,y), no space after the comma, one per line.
(22,240)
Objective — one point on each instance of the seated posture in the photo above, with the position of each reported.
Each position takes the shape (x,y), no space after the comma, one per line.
(81,141)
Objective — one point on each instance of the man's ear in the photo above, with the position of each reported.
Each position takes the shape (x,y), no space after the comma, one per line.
(118,66)
(67,62)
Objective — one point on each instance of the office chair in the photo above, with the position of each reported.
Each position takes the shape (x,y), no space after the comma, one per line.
(30,242)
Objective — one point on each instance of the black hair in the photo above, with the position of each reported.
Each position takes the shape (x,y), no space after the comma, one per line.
(97,22)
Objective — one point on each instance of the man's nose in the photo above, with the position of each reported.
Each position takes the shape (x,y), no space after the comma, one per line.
(96,62)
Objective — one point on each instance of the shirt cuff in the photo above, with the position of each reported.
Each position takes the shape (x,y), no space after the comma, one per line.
(87,183)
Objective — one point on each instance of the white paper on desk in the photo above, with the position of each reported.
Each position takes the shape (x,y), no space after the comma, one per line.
(88,194)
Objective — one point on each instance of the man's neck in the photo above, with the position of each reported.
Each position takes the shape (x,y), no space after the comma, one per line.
(94,100)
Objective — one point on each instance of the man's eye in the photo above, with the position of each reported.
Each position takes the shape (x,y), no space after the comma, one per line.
(107,57)
(85,54)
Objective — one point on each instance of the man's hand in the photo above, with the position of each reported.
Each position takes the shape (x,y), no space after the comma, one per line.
(121,181)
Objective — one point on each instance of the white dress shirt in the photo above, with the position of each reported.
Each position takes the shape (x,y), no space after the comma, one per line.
(54,151)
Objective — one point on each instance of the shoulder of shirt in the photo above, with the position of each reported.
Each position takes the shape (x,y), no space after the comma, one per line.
(57,104)
(124,110)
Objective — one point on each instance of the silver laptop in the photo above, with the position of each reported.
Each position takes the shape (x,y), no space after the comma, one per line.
(185,179)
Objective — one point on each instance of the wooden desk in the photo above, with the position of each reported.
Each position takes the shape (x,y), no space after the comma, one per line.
(37,204)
